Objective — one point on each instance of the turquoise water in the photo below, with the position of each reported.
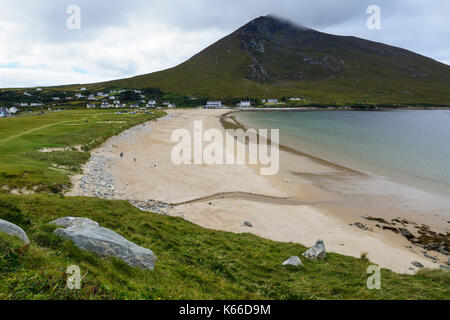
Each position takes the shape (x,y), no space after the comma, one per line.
(411,147)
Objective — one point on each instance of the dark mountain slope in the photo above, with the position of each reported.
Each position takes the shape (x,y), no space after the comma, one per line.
(270,57)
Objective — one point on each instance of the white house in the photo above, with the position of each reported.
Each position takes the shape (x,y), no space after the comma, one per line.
(3,112)
(105,105)
(55,98)
(171,106)
(90,106)
(245,104)
(272,100)
(83,89)
(38,89)
(213,105)
(12,110)
(91,97)
(36,104)
(151,102)
(24,104)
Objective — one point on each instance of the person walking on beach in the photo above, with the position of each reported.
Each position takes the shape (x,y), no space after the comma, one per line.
(121,154)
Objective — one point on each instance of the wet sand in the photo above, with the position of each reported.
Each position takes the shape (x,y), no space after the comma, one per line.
(296,205)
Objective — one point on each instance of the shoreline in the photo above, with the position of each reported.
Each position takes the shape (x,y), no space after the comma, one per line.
(282,208)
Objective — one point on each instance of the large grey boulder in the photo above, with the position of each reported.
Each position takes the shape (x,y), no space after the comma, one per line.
(315,252)
(89,235)
(293,261)
(13,230)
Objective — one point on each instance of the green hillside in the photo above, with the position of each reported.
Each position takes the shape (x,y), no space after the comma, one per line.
(269,57)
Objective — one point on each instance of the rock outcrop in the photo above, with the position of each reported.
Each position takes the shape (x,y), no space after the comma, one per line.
(13,230)
(293,261)
(89,235)
(316,252)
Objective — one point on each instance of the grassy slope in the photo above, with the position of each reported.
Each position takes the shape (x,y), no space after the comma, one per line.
(193,263)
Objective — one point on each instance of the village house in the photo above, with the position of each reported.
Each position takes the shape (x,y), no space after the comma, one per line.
(38,89)
(245,103)
(213,105)
(171,106)
(105,105)
(36,104)
(12,110)
(296,99)
(91,97)
(90,106)
(24,104)
(83,89)
(271,101)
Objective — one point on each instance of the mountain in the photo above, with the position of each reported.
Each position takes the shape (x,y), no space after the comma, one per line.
(271,57)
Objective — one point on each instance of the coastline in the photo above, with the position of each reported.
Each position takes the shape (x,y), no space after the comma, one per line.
(289,207)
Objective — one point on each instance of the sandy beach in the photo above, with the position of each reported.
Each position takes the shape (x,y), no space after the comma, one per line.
(295,205)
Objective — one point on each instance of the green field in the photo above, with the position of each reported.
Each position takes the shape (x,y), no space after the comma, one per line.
(193,262)
(21,138)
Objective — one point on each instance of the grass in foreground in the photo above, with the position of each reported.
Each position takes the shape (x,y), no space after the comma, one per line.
(193,262)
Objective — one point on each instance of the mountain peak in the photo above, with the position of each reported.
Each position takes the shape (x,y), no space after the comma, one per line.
(271,56)
(271,24)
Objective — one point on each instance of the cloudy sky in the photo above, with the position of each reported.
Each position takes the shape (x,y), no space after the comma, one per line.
(121,38)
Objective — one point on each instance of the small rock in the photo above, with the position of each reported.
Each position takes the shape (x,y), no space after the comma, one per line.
(293,261)
(417,264)
(248,224)
(13,230)
(429,256)
(433,246)
(317,251)
(361,226)
(406,234)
